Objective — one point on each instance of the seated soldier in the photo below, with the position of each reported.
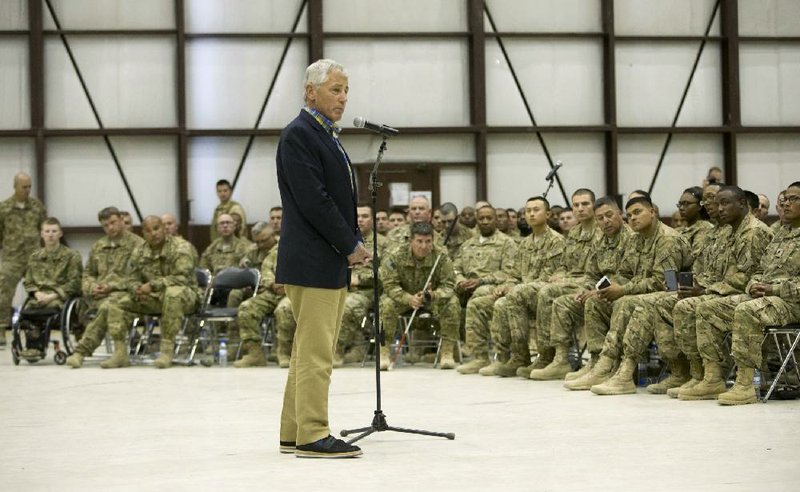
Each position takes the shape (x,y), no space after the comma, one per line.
(253,310)
(404,272)
(161,282)
(53,276)
(771,300)
(225,251)
(171,226)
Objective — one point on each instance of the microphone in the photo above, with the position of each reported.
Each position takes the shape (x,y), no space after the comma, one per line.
(552,173)
(361,122)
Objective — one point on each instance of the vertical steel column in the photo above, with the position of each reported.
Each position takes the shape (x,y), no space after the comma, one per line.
(36,81)
(731,96)
(184,212)
(477,91)
(316,39)
(610,99)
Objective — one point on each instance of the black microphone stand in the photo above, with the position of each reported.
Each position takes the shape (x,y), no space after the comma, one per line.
(379,423)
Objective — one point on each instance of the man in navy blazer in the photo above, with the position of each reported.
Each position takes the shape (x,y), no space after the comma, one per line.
(319,242)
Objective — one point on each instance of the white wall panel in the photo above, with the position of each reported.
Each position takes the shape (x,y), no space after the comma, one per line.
(457,185)
(769,17)
(517,166)
(243,15)
(655,17)
(770,84)
(82,177)
(768,163)
(562,81)
(212,159)
(686,164)
(14,14)
(545,15)
(14,84)
(16,155)
(132,82)
(651,80)
(393,16)
(405,83)
(411,148)
(111,14)
(227,81)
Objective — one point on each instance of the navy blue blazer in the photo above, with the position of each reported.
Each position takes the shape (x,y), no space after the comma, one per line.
(319,226)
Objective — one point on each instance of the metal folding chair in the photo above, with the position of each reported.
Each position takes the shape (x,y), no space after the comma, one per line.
(790,335)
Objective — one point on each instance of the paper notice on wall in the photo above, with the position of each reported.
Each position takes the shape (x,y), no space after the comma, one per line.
(399,194)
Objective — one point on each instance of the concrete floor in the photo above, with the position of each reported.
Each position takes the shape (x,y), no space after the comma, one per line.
(217,429)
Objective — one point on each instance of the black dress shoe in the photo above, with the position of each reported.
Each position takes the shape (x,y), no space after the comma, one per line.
(329,447)
(287,447)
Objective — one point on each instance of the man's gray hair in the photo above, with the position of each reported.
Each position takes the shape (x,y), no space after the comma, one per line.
(317,73)
(258,227)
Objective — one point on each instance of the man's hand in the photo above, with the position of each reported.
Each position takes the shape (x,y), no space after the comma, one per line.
(278,289)
(361,256)
(694,291)
(760,289)
(100,291)
(610,293)
(584,296)
(43,298)
(353,282)
(417,301)
(501,290)
(143,290)
(468,285)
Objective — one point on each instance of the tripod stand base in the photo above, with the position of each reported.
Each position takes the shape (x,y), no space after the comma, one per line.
(379,424)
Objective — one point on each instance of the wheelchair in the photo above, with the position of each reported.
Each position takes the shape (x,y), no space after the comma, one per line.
(32,330)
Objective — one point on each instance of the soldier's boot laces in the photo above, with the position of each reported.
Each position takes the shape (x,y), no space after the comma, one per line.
(712,384)
(600,372)
(679,374)
(743,392)
(557,369)
(621,383)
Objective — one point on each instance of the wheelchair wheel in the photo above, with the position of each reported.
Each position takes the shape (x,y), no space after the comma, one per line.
(60,357)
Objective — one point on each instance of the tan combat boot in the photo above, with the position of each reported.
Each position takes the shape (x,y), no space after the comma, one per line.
(743,392)
(557,369)
(446,360)
(621,383)
(678,375)
(75,360)
(696,374)
(712,384)
(119,358)
(510,368)
(385,357)
(491,369)
(338,358)
(525,371)
(474,366)
(284,359)
(355,354)
(253,357)
(599,373)
(165,359)
(583,370)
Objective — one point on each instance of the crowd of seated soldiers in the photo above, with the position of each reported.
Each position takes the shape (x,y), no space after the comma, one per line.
(519,306)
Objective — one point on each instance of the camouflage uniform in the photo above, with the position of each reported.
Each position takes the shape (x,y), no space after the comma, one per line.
(403,276)
(537,259)
(253,310)
(57,271)
(285,326)
(572,276)
(190,247)
(220,255)
(359,301)
(457,239)
(227,208)
(746,316)
(254,257)
(695,236)
(605,260)
(493,262)
(19,237)
(170,273)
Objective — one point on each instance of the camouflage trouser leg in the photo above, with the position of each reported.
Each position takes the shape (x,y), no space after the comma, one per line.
(516,317)
(618,314)
(499,328)
(11,272)
(390,310)
(122,312)
(644,325)
(566,318)
(749,321)
(251,312)
(448,311)
(236,297)
(714,320)
(356,306)
(285,326)
(684,320)
(95,331)
(479,314)
(544,310)
(177,303)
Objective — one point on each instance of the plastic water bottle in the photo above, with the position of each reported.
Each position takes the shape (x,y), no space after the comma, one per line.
(757,383)
(223,354)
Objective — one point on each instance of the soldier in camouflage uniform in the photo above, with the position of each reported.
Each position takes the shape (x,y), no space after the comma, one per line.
(538,256)
(161,282)
(359,300)
(723,270)
(569,278)
(458,233)
(403,274)
(772,299)
(484,264)
(20,216)
(171,226)
(226,206)
(419,210)
(285,327)
(567,310)
(53,277)
(655,248)
(225,251)
(253,310)
(264,240)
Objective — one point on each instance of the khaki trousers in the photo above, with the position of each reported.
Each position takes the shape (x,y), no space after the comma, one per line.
(318,312)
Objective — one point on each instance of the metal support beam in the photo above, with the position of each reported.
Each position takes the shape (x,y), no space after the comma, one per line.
(731,105)
(477,91)
(316,41)
(184,212)
(36,75)
(610,99)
